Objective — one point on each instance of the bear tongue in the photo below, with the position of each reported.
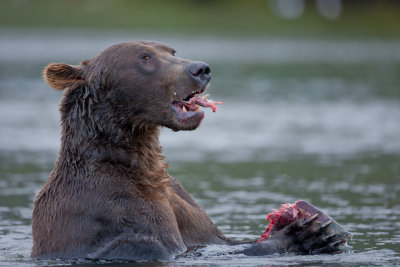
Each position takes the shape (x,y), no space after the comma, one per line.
(204,102)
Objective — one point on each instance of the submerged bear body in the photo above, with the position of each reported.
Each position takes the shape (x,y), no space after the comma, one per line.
(96,217)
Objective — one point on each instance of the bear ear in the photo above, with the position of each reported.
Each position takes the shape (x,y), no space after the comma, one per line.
(60,75)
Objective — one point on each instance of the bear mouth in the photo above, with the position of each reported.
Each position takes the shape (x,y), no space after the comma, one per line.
(187,111)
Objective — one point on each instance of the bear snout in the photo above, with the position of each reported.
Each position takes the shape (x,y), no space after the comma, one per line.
(200,72)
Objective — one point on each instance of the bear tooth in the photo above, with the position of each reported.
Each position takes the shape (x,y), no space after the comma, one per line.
(184,109)
(206,96)
(198,108)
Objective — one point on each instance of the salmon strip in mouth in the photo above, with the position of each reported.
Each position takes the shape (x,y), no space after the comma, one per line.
(195,102)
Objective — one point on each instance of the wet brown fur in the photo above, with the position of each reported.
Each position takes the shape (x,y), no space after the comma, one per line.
(109,195)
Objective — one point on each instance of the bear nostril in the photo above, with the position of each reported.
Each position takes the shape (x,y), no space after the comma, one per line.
(207,70)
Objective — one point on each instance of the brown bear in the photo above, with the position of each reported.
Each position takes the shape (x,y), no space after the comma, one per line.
(109,195)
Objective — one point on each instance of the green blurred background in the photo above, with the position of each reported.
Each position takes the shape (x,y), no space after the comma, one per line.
(349,18)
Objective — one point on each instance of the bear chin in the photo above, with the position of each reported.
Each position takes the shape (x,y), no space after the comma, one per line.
(185,120)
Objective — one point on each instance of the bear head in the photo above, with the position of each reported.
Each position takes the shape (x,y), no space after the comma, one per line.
(133,84)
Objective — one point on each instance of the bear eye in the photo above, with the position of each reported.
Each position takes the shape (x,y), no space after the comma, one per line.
(145,57)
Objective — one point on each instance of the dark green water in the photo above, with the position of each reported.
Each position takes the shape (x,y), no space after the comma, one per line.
(302,119)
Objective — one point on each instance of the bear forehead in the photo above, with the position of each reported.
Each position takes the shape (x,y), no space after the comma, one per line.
(143,45)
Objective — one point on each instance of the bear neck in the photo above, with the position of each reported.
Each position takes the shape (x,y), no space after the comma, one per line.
(90,136)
